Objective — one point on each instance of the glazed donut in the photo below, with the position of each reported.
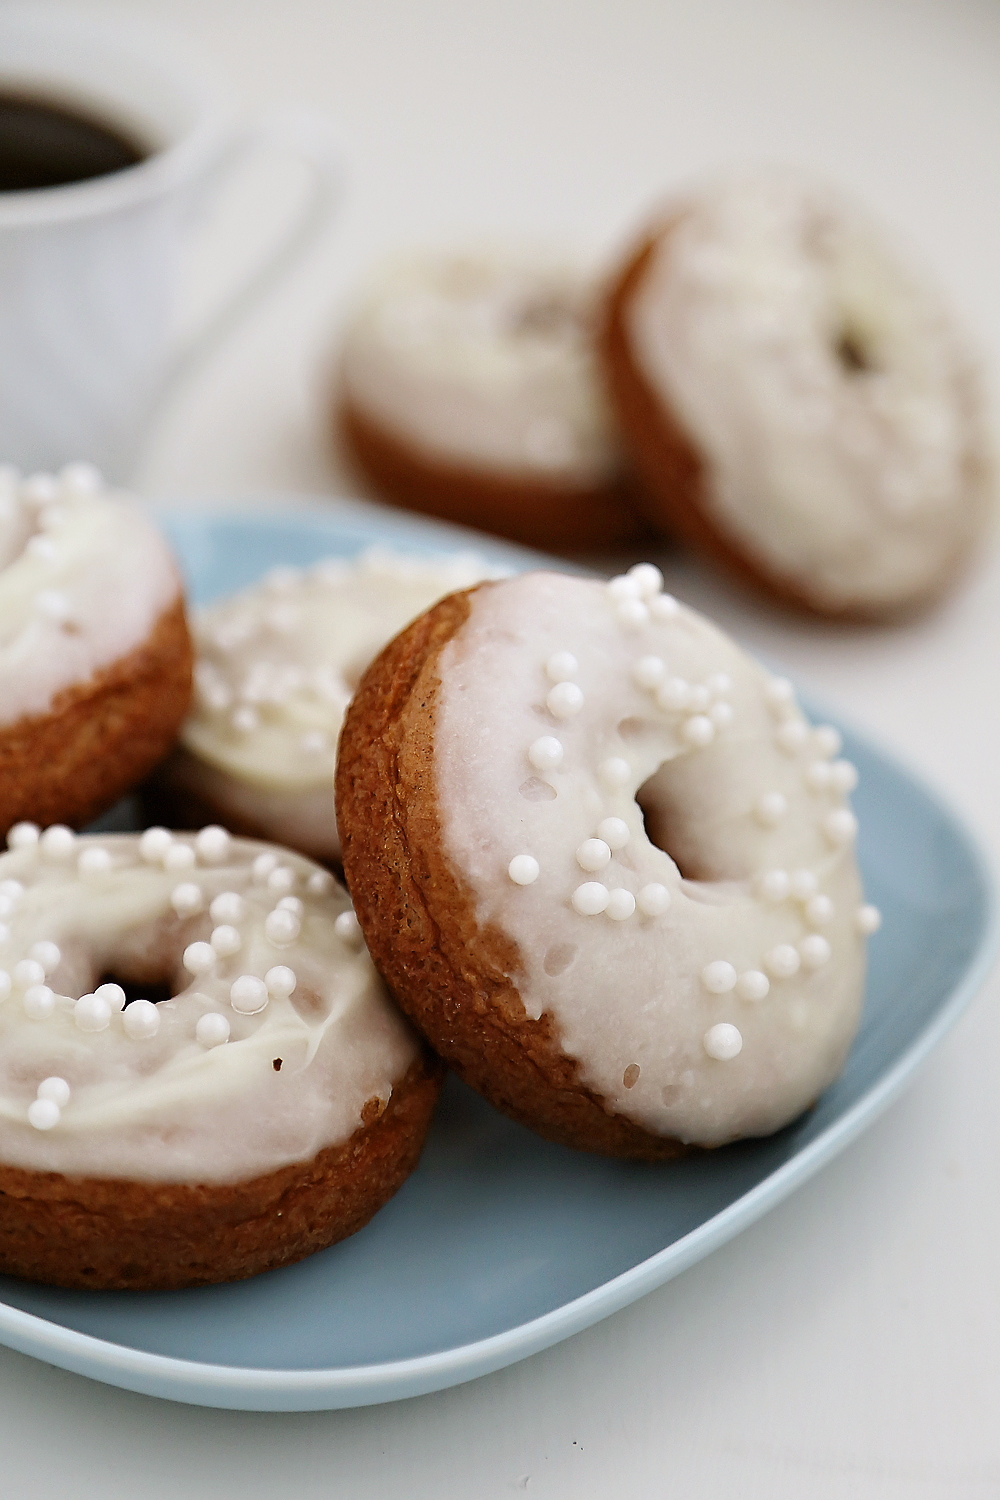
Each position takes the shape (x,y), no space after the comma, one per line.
(513,771)
(798,403)
(276,666)
(95,661)
(469,390)
(201,1076)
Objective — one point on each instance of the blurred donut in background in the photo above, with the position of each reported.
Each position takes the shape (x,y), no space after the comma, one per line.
(799,404)
(469,390)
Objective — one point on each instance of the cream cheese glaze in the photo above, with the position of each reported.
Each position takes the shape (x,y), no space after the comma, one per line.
(84,577)
(707,993)
(279,1032)
(276,667)
(836,408)
(485,361)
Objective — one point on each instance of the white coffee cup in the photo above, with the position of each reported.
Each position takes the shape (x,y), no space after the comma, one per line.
(89,271)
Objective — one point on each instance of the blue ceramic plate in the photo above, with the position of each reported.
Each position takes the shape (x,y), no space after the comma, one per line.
(500,1244)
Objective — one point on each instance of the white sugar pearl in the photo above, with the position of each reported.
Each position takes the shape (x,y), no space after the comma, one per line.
(819,911)
(320,883)
(56,1089)
(615,832)
(212,844)
(246,719)
(282,927)
(564,700)
(28,971)
(803,884)
(281,879)
(721,715)
(199,958)
(828,740)
(698,731)
(141,1020)
(43,1114)
(57,842)
(154,844)
(868,919)
(92,1013)
(673,694)
(348,929)
(281,980)
(615,772)
(818,776)
(653,899)
(843,776)
(546,753)
(770,809)
(593,854)
(719,684)
(791,736)
(315,742)
(815,951)
(774,885)
(23,835)
(663,607)
(779,693)
(263,865)
(248,995)
(647,578)
(47,954)
(113,994)
(782,961)
(12,889)
(623,588)
(590,899)
(723,1042)
(632,613)
(212,1029)
(840,826)
(39,1002)
(51,604)
(94,862)
(700,698)
(228,906)
(38,489)
(292,903)
(179,857)
(753,985)
(226,940)
(187,899)
(649,672)
(561,666)
(719,977)
(5,984)
(523,869)
(621,904)
(81,478)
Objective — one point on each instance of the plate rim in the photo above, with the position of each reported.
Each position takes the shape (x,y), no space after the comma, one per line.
(252,1388)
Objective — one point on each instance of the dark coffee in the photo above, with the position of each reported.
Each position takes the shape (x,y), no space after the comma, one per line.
(43,145)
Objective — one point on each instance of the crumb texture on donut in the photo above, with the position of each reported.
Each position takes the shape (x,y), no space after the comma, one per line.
(798,402)
(105,1233)
(600,855)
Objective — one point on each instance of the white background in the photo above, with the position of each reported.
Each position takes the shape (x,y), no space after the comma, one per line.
(849,1344)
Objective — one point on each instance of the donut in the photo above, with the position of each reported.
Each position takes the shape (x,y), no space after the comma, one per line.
(605,864)
(276,666)
(798,403)
(201,1074)
(95,661)
(469,390)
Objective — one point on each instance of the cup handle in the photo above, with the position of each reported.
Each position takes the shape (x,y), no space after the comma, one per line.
(310,139)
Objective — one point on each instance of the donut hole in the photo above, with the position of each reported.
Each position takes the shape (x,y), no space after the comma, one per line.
(156,989)
(670,813)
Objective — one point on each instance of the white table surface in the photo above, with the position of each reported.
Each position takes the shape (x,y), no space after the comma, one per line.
(849,1344)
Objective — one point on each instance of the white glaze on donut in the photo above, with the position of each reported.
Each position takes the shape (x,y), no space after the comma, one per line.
(256,942)
(825,387)
(637,966)
(84,577)
(485,361)
(276,667)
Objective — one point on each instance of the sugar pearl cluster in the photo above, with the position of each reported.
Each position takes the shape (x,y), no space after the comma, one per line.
(826,778)
(41,505)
